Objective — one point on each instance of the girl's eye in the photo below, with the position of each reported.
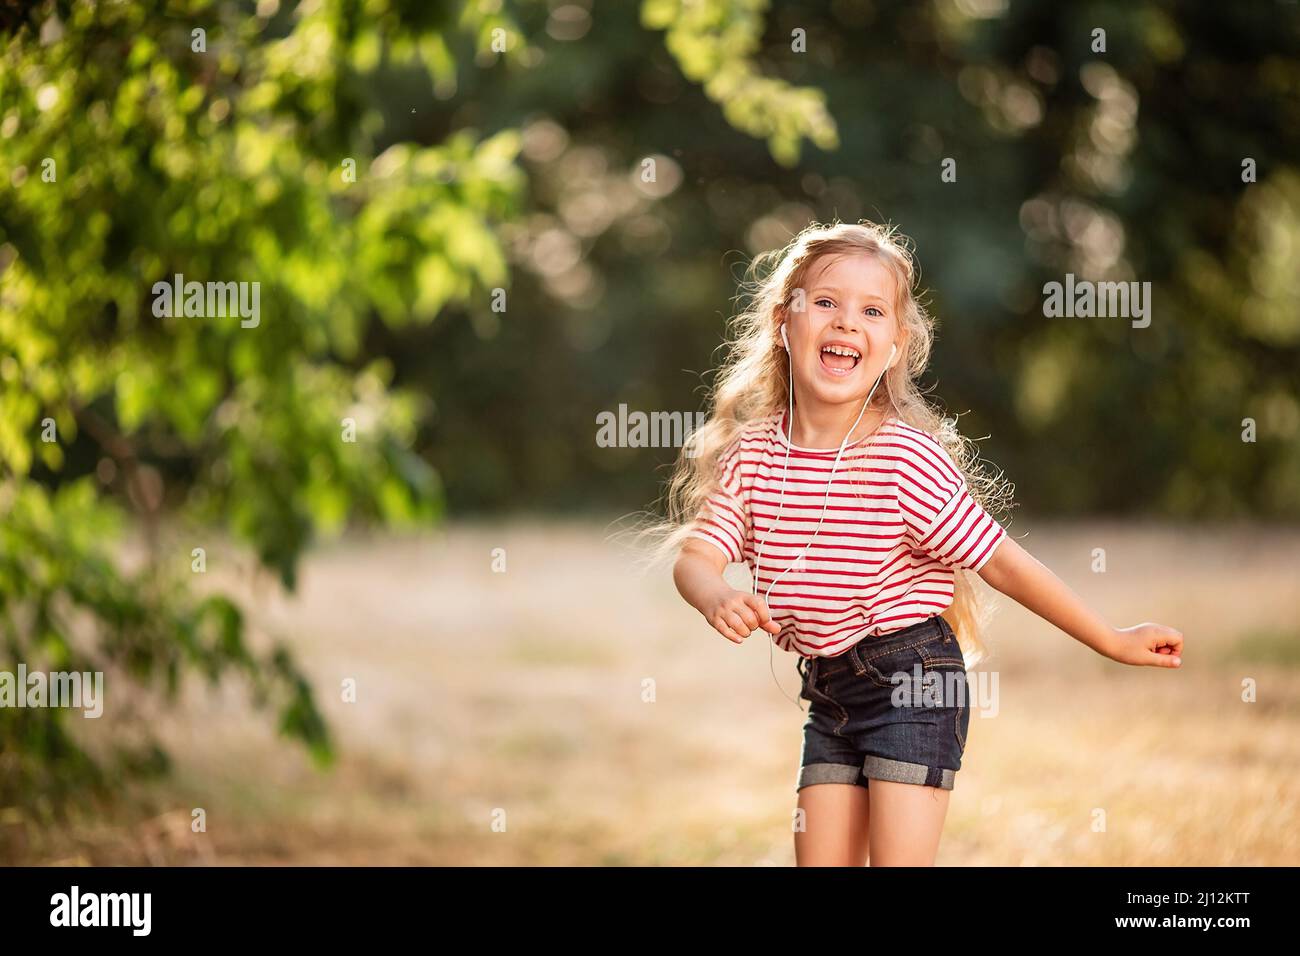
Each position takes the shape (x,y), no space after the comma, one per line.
(870,310)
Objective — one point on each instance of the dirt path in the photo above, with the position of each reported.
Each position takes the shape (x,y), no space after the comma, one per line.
(519,697)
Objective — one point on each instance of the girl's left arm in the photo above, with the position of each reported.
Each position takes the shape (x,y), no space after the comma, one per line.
(1021,577)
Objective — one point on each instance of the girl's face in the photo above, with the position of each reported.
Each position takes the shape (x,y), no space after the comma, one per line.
(840,343)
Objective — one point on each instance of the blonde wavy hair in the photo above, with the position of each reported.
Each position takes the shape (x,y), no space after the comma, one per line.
(752,384)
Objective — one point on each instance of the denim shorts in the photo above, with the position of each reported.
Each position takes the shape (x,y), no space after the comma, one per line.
(889,708)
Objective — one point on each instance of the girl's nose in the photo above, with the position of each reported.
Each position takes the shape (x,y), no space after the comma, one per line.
(844,322)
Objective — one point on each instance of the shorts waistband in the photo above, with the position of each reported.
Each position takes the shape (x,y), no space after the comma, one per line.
(933,627)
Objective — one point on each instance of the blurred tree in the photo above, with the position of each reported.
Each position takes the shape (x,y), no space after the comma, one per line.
(151,146)
(203,140)
(1124,164)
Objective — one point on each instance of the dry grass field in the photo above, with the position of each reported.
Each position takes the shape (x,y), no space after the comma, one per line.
(519,696)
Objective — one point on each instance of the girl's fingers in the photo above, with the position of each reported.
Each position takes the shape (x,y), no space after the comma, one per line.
(721,627)
(740,616)
(764,615)
(1153,645)
(736,624)
(1167,644)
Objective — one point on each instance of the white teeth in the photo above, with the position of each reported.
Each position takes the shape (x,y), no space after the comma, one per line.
(841,350)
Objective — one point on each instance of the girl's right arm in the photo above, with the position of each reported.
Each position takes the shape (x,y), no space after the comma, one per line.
(734,614)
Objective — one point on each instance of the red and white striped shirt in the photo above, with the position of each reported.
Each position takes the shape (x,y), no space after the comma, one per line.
(900,519)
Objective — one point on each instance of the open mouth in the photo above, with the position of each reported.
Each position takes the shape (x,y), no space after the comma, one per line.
(840,359)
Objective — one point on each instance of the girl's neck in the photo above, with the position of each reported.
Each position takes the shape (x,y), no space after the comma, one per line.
(824,427)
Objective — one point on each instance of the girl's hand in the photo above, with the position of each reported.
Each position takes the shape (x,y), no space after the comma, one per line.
(735,614)
(1153,645)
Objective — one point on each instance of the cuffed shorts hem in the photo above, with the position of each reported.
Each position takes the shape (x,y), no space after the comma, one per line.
(813,773)
(900,771)
(876,768)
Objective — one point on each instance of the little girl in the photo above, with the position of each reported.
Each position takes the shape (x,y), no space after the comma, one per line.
(859,512)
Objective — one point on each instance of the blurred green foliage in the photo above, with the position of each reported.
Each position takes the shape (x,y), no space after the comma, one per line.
(1126,163)
(239,143)
(135,149)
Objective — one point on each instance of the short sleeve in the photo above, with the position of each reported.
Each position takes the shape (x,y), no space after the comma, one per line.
(943,519)
(724,519)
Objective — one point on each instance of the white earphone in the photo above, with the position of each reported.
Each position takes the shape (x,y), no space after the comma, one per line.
(785,471)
